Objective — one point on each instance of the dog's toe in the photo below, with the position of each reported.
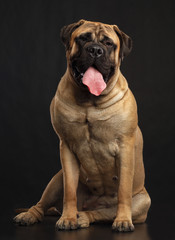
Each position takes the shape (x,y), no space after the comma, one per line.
(25,219)
(123,226)
(65,223)
(83,220)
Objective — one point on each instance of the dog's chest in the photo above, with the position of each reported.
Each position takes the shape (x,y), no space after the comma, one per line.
(93,135)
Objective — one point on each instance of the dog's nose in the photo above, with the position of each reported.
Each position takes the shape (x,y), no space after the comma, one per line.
(95,51)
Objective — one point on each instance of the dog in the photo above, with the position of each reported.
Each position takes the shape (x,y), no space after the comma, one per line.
(94,114)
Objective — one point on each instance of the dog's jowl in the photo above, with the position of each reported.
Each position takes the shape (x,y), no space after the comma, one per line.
(94,114)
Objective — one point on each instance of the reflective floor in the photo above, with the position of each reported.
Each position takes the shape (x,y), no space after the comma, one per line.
(160,225)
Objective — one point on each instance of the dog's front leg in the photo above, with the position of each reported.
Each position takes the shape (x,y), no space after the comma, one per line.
(70,168)
(123,220)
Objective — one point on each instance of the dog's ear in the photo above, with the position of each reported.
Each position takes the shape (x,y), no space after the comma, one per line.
(67,31)
(125,43)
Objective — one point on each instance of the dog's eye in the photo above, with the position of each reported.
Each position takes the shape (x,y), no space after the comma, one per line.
(108,43)
(85,37)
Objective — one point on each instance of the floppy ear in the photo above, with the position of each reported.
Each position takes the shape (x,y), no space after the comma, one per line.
(125,43)
(67,31)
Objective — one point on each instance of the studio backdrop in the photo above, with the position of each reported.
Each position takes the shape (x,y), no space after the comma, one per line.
(32,63)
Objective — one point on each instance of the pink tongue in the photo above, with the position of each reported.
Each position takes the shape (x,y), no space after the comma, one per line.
(93,79)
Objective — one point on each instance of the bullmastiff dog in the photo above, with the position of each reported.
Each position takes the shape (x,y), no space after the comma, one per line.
(94,114)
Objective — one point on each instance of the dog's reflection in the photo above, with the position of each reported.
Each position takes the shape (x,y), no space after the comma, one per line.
(104,232)
(141,232)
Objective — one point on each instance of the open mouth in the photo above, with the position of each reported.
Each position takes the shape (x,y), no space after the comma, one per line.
(91,78)
(78,74)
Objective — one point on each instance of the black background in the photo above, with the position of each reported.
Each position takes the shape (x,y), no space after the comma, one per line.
(32,60)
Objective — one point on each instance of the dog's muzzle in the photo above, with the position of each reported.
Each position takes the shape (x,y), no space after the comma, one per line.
(95,51)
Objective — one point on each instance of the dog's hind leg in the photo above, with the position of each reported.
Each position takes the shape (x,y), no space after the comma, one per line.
(104,214)
(51,197)
(140,206)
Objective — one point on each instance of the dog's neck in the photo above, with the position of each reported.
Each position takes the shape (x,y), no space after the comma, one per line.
(73,94)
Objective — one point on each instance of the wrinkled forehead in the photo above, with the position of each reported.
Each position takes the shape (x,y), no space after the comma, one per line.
(98,31)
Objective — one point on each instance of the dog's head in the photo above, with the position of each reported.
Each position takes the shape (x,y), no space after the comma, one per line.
(94,51)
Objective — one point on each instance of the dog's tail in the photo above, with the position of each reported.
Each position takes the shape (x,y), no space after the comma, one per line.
(50,212)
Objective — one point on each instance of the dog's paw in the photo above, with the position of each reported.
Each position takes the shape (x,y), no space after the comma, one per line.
(122,226)
(83,220)
(66,223)
(25,219)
